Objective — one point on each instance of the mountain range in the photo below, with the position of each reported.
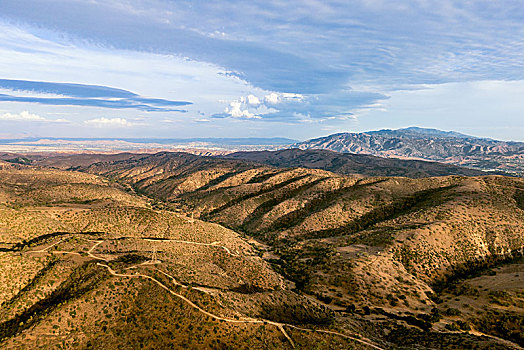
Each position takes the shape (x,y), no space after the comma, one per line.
(427,144)
(341,163)
(430,145)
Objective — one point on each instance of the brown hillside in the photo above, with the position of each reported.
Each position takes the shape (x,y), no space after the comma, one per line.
(392,260)
(353,240)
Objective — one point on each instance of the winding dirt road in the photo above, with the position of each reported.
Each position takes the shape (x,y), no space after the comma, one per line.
(279,325)
(213,244)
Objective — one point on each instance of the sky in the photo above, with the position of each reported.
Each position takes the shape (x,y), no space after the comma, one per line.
(296,69)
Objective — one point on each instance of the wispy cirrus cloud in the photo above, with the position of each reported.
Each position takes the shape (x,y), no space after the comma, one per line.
(314,48)
(84,95)
(148,29)
(339,59)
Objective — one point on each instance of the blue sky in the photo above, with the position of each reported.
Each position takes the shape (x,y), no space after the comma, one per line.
(158,68)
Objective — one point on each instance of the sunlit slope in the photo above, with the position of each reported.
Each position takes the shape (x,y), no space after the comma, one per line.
(377,252)
(354,242)
(85,263)
(430,225)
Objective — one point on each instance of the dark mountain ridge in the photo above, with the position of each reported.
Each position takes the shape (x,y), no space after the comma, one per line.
(341,163)
(354,164)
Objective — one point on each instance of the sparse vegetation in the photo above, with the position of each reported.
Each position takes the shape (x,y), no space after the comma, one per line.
(389,260)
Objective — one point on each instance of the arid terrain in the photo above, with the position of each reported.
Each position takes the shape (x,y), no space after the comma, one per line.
(261,175)
(173,250)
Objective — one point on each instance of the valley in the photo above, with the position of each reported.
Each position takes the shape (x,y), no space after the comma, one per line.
(207,252)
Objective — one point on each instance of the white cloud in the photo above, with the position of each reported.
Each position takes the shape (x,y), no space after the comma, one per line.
(276,98)
(26,116)
(110,122)
(252,100)
(272,98)
(236,111)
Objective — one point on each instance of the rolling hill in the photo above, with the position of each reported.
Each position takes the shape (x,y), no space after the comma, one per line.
(385,245)
(87,264)
(206,252)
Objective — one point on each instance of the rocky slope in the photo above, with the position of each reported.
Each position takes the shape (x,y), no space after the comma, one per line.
(428,144)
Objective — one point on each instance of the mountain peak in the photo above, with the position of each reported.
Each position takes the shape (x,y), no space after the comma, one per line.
(428,144)
(415,130)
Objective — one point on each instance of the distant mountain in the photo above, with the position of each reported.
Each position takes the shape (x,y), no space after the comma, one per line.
(428,144)
(201,146)
(352,164)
